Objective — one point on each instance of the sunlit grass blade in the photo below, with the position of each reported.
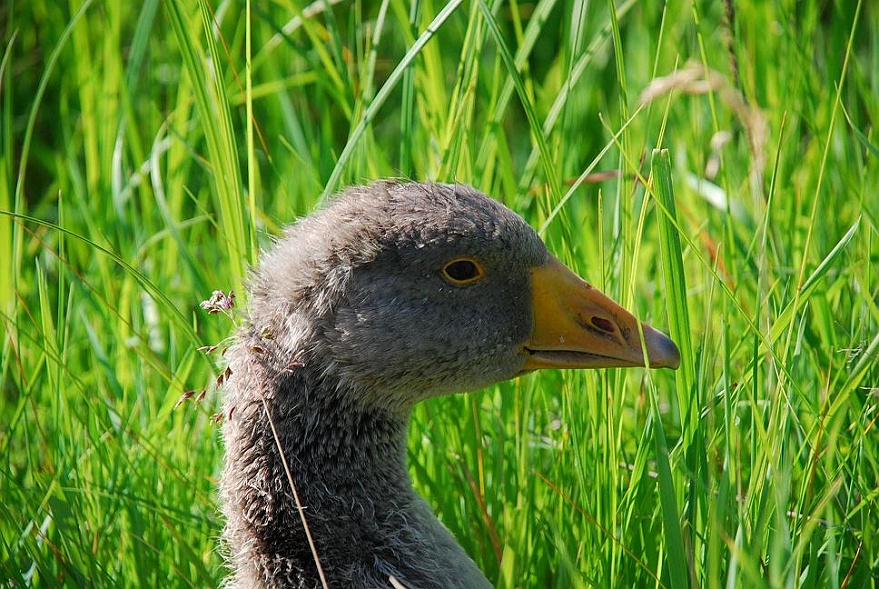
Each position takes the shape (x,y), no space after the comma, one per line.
(205,73)
(788,314)
(675,288)
(674,281)
(527,102)
(147,285)
(382,95)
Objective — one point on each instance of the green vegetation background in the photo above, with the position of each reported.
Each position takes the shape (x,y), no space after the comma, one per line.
(149,149)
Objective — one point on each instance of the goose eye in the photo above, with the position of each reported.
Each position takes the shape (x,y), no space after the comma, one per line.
(463,271)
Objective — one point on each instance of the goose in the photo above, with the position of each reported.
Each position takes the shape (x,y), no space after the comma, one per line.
(392,293)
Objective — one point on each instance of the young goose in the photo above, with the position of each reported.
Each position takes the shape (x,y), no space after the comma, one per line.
(393,293)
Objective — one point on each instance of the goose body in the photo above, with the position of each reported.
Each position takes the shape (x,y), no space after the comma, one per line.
(393,293)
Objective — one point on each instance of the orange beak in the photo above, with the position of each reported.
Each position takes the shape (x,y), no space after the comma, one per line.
(577,326)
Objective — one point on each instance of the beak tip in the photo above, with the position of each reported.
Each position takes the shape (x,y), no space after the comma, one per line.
(662,351)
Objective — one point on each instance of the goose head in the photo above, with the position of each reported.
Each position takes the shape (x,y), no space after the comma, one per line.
(415,290)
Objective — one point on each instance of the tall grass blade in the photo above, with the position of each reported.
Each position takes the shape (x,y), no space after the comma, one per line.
(203,68)
(549,167)
(382,95)
(675,286)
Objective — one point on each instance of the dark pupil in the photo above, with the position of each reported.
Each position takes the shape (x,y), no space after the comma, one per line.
(462,270)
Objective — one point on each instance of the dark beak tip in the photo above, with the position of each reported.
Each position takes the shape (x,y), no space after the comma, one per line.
(663,352)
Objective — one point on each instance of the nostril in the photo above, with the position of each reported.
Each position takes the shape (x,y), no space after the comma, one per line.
(603,324)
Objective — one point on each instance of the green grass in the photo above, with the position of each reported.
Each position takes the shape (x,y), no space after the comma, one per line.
(149,149)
